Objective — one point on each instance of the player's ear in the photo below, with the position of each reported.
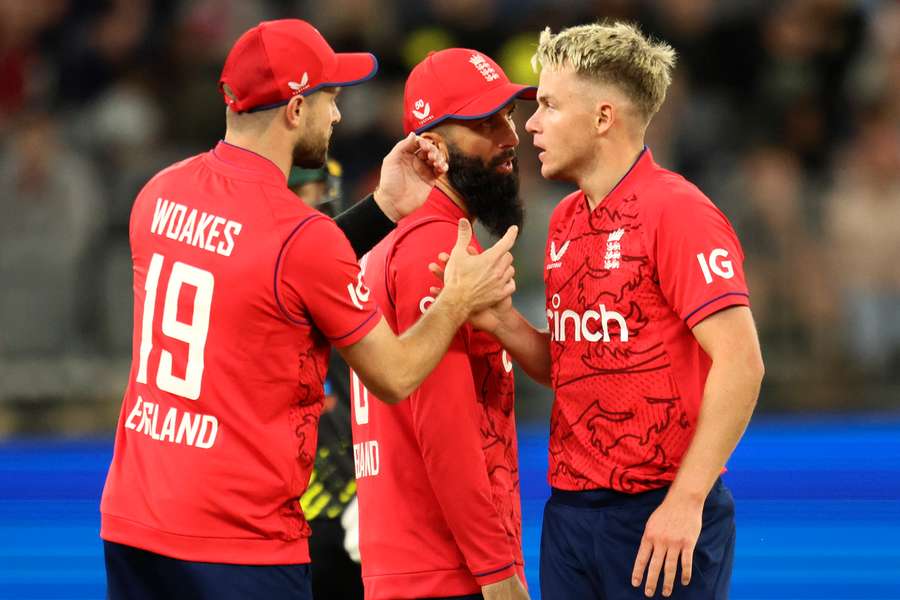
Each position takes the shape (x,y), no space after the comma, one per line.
(439,141)
(293,111)
(604,116)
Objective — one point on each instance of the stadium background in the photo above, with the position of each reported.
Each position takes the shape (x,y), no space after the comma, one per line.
(786,113)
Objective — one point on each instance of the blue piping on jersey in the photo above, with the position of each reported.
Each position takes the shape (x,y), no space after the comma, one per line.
(357,328)
(627,173)
(705,304)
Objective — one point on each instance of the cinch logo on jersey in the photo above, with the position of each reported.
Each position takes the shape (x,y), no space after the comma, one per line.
(556,256)
(177,222)
(722,268)
(484,67)
(591,325)
(613,249)
(178,427)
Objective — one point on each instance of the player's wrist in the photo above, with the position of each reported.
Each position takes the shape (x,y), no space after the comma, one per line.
(507,321)
(453,302)
(686,497)
(505,584)
(386,204)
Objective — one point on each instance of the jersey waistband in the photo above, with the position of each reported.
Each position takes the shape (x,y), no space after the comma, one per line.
(601,498)
(236,551)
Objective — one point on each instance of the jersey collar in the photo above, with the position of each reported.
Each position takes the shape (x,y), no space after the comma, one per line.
(642,165)
(439,203)
(246,163)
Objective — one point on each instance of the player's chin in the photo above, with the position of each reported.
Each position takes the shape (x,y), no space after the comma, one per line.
(549,171)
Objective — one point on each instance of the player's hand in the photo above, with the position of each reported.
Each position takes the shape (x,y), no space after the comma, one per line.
(670,537)
(507,589)
(489,319)
(478,281)
(408,173)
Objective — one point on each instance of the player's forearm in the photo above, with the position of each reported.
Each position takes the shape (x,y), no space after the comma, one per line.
(729,398)
(509,588)
(422,346)
(527,345)
(365,224)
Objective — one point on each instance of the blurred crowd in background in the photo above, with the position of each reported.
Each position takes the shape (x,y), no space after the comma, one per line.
(787,114)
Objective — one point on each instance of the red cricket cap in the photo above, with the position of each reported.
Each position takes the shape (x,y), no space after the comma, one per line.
(457,83)
(276,60)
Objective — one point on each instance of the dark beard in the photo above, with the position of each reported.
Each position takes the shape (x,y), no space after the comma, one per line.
(309,154)
(490,197)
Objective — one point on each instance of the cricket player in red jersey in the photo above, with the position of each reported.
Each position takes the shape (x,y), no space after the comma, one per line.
(240,290)
(651,351)
(437,475)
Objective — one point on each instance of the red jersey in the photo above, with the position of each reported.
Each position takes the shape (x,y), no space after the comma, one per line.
(239,289)
(437,474)
(625,283)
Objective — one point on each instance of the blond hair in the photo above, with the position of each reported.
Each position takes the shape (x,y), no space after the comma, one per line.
(615,53)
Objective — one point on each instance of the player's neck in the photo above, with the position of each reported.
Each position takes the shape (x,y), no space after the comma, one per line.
(608,170)
(448,189)
(265,147)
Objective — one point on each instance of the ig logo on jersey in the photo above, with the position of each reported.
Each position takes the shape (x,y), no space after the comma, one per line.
(715,265)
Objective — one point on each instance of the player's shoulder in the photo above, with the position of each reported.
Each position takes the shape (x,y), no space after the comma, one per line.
(316,241)
(173,172)
(566,206)
(314,228)
(664,193)
(287,213)
(416,241)
(425,230)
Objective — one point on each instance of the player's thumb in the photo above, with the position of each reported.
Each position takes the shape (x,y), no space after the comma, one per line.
(504,244)
(410,143)
(463,235)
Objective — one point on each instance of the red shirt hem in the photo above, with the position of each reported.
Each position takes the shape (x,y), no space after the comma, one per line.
(237,551)
(455,582)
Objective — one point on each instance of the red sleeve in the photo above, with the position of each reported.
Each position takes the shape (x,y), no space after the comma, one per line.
(445,418)
(318,280)
(699,258)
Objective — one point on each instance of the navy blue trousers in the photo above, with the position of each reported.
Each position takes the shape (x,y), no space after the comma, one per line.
(590,540)
(135,574)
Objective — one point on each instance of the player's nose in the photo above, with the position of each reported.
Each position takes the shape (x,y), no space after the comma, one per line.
(509,139)
(532,125)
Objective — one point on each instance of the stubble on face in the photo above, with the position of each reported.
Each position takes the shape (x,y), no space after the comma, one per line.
(311,153)
(311,149)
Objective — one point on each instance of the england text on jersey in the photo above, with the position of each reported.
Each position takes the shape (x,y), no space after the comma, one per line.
(177,426)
